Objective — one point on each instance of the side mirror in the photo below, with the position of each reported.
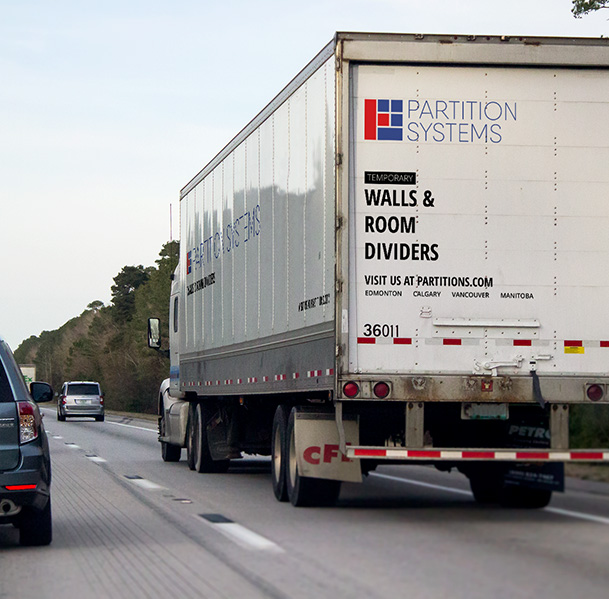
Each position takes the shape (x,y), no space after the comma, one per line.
(41,392)
(154,333)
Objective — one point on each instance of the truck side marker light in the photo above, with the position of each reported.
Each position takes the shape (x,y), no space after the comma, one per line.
(595,392)
(351,389)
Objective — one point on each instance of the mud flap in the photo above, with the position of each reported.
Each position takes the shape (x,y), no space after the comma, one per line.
(546,477)
(317,447)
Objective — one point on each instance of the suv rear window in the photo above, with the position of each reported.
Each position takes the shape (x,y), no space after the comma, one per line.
(83,389)
(6,393)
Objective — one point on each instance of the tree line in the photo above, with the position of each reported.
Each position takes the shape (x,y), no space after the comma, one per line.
(108,343)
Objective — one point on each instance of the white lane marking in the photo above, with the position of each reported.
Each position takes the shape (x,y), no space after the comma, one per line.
(145,484)
(72,445)
(246,538)
(140,428)
(554,510)
(57,437)
(418,483)
(579,515)
(95,458)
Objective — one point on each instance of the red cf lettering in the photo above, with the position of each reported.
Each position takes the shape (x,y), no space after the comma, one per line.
(312,454)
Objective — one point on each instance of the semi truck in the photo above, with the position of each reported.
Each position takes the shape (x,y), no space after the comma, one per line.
(403,258)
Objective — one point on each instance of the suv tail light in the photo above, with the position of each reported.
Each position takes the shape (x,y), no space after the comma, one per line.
(28,427)
(64,401)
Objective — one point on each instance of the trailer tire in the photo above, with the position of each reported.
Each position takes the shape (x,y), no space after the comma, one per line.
(525,497)
(304,491)
(190,452)
(204,462)
(486,490)
(280,454)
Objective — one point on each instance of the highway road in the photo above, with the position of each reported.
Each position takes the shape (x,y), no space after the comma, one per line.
(128,525)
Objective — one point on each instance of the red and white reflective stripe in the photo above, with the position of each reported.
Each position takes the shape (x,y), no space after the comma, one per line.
(456,341)
(254,379)
(529,455)
(384,340)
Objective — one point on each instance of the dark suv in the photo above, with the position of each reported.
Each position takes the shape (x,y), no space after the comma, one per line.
(25,463)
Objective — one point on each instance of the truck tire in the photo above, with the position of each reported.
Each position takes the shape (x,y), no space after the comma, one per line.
(525,497)
(304,491)
(36,526)
(486,490)
(204,463)
(190,450)
(279,455)
(169,453)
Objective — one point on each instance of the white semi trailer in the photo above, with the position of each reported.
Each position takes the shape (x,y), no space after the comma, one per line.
(403,257)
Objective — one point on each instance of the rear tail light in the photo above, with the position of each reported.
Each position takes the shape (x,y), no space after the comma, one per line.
(595,392)
(381,390)
(351,389)
(28,426)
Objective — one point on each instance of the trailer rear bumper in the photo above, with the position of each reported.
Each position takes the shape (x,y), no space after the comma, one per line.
(506,455)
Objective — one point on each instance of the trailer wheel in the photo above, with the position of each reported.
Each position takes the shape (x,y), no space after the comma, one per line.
(304,491)
(525,497)
(190,450)
(279,461)
(485,489)
(202,455)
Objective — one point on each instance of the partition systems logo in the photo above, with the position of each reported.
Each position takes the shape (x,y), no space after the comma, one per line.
(188,263)
(383,120)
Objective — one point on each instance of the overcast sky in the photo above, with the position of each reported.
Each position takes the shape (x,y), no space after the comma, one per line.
(107,109)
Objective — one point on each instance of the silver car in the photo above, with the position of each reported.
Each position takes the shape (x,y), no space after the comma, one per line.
(80,398)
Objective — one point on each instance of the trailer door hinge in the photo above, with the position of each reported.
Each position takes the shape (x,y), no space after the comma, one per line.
(339,159)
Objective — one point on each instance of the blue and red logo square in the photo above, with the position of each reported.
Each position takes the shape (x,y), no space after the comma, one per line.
(383,120)
(188,263)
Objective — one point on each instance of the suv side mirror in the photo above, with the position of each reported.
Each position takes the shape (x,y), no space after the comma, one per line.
(154,333)
(41,392)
